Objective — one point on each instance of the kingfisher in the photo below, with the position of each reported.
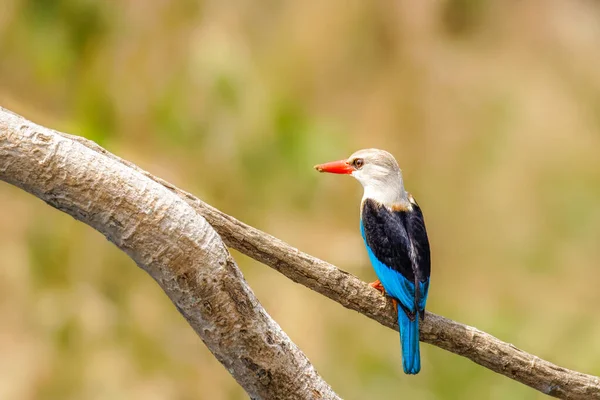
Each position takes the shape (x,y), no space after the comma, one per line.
(393,229)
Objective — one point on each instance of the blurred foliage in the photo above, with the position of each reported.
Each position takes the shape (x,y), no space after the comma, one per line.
(491,107)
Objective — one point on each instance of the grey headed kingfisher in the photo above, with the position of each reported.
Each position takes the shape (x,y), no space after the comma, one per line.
(393,229)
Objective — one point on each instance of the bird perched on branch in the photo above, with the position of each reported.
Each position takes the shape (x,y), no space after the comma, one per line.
(393,229)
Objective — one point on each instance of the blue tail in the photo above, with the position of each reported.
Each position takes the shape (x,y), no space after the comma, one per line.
(409,338)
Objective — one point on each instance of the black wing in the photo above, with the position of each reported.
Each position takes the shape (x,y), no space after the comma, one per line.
(415,225)
(399,240)
(387,237)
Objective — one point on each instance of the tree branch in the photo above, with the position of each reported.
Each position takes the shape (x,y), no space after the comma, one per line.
(169,240)
(344,288)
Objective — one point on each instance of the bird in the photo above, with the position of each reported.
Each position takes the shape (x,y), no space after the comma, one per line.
(393,230)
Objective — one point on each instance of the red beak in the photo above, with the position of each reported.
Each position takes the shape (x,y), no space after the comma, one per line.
(336,167)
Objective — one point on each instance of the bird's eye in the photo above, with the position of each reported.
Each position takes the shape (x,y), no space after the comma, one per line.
(358,163)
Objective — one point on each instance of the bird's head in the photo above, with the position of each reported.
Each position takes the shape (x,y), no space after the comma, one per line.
(377,171)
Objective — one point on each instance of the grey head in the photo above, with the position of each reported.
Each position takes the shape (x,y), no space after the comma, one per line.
(381,177)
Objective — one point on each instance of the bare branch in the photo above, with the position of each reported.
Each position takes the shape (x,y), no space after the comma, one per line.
(169,240)
(344,288)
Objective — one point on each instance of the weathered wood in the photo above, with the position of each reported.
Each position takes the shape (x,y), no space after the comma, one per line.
(173,243)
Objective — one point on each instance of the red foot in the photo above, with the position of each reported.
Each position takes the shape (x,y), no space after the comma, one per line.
(378,286)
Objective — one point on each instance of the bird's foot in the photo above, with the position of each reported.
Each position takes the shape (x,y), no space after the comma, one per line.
(377,286)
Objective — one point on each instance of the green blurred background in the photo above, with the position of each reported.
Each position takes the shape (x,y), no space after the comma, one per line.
(492,109)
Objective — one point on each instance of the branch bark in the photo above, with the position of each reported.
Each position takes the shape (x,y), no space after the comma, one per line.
(173,243)
(181,276)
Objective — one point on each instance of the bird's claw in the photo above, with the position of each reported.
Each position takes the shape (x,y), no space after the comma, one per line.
(377,286)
